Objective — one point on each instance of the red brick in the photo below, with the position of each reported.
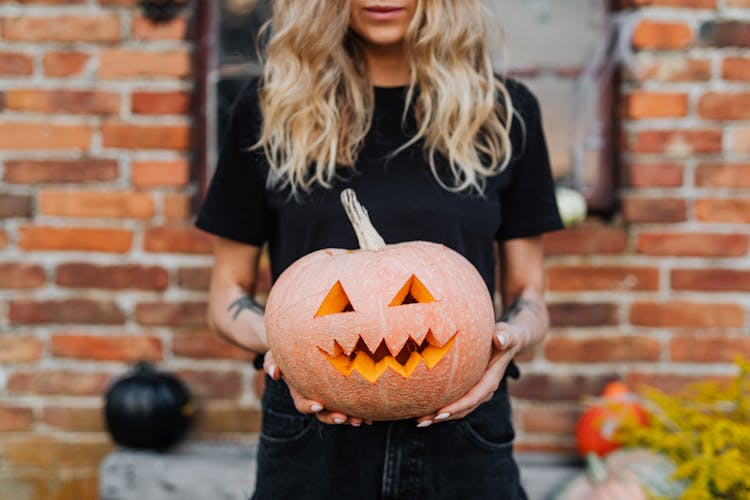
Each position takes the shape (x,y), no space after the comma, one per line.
(192,314)
(581,314)
(667,382)
(3,239)
(588,238)
(177,207)
(686,314)
(16,64)
(206,345)
(609,349)
(45,2)
(654,209)
(738,3)
(673,69)
(58,171)
(15,349)
(655,35)
(84,311)
(601,277)
(121,204)
(558,387)
(708,349)
(726,33)
(736,68)
(62,29)
(72,238)
(130,136)
(15,205)
(723,210)
(711,280)
(58,382)
(39,484)
(741,140)
(75,419)
(178,239)
(683,143)
(21,275)
(107,348)
(194,278)
(144,29)
(212,384)
(117,277)
(63,101)
(643,104)
(724,106)
(45,451)
(219,419)
(61,64)
(547,420)
(161,103)
(693,244)
(148,174)
(15,418)
(654,175)
(126,63)
(42,135)
(723,175)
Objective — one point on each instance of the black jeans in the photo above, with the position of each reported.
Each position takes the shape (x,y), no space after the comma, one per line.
(300,458)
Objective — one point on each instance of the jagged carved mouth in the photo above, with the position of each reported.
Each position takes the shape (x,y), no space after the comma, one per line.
(371,365)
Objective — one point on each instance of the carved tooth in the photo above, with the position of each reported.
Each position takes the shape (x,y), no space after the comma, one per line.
(348,344)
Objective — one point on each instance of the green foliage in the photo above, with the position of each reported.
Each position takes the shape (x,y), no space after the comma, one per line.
(705,430)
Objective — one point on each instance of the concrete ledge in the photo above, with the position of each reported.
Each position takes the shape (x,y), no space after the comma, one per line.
(225,471)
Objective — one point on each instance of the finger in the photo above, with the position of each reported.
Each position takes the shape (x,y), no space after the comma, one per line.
(425,421)
(356,422)
(331,417)
(481,392)
(269,366)
(304,405)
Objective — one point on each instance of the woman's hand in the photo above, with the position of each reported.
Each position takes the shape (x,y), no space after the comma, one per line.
(309,406)
(507,341)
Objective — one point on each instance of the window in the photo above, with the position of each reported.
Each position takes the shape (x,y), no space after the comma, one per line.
(558,48)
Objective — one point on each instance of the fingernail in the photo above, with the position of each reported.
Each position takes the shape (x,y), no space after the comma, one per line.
(272,370)
(442,416)
(316,408)
(339,420)
(502,339)
(356,424)
(425,423)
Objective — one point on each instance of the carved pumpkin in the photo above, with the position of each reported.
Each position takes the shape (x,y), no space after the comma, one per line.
(382,333)
(599,423)
(627,474)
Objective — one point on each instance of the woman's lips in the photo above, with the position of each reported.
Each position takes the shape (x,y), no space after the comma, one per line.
(383,12)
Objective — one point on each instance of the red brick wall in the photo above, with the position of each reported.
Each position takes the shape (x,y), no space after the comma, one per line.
(99,265)
(658,294)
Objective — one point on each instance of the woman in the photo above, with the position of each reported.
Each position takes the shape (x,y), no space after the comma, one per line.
(396,99)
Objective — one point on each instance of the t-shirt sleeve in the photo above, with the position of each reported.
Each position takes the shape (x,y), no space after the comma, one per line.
(528,203)
(235,205)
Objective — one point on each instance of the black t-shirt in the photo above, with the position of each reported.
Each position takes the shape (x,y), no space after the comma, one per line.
(403,198)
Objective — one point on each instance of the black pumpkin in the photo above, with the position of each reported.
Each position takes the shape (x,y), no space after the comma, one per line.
(148,409)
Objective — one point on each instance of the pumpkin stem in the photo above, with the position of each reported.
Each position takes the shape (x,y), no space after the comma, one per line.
(368,236)
(595,469)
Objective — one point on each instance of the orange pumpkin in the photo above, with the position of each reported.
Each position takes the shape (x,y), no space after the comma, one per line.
(384,332)
(599,423)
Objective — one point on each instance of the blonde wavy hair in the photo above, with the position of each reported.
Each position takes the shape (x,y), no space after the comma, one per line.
(317,101)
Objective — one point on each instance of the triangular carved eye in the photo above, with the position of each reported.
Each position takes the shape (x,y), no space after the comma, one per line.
(335,302)
(413,292)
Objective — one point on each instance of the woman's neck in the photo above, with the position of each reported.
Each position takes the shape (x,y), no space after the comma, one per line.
(388,65)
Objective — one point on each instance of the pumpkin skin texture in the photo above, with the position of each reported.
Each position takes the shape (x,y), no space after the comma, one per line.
(381,334)
(148,409)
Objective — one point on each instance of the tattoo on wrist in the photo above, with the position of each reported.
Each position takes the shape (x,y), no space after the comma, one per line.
(243,303)
(515,307)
